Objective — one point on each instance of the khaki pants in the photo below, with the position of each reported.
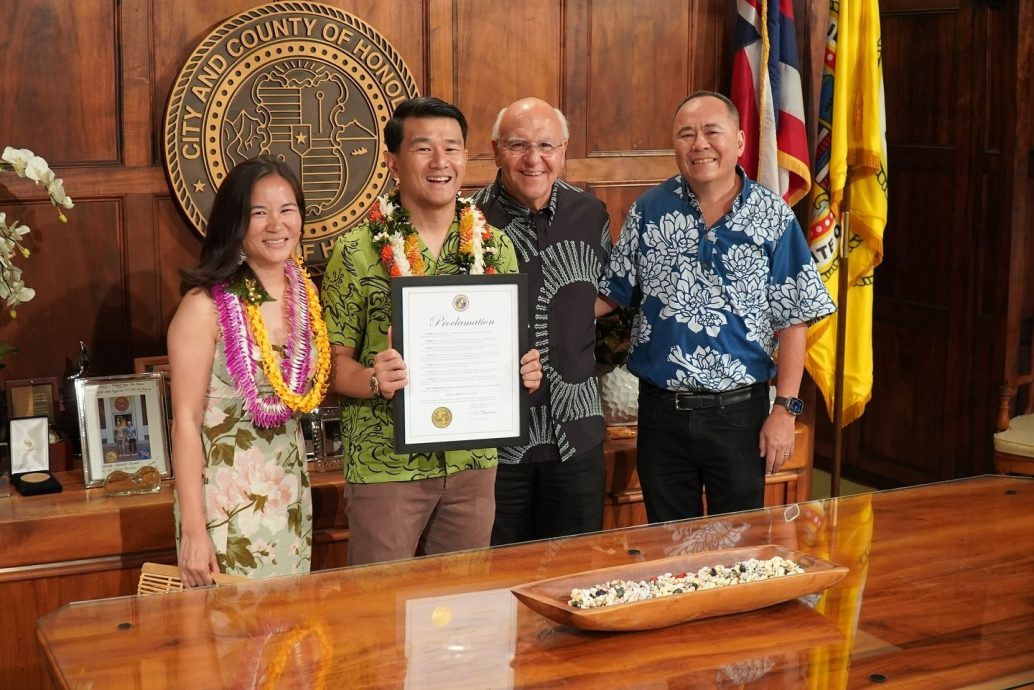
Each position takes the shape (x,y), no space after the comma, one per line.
(395,520)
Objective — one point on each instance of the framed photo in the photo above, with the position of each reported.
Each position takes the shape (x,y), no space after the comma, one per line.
(123,424)
(33,398)
(145,365)
(327,444)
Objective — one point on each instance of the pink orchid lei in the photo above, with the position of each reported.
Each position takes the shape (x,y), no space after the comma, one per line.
(267,411)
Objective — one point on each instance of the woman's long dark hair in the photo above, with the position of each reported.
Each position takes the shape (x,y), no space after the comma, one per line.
(228,222)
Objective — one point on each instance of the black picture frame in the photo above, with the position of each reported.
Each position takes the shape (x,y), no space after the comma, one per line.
(466,288)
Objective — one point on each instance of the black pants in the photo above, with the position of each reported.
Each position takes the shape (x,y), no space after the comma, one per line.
(542,500)
(681,452)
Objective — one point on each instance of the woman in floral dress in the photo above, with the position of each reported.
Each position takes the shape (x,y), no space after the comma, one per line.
(251,313)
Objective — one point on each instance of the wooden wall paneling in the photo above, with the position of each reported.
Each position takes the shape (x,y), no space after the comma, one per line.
(179,249)
(145,319)
(618,197)
(60,80)
(136,46)
(440,78)
(506,50)
(632,91)
(574,100)
(77,271)
(961,425)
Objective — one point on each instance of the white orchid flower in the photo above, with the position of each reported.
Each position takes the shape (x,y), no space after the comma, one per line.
(58,197)
(25,163)
(36,169)
(18,159)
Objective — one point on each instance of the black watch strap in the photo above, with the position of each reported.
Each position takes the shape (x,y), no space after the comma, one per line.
(794,406)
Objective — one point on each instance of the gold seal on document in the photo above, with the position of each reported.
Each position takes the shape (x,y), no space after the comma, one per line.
(441,417)
(441,616)
(460,302)
(304,82)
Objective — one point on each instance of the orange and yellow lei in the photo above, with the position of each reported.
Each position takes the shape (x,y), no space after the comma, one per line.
(397,242)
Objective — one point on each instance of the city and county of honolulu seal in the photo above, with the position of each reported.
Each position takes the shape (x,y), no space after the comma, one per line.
(441,417)
(307,83)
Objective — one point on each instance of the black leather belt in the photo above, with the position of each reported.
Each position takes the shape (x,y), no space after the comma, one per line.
(703,400)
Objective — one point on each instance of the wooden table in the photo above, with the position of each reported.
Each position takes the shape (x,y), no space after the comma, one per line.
(80,544)
(940,594)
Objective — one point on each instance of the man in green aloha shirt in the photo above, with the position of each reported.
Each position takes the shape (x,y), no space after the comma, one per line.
(426,503)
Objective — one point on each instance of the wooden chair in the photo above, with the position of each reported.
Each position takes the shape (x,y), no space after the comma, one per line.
(156,578)
(1014,442)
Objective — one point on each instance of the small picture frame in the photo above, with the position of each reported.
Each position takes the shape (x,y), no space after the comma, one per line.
(145,365)
(308,427)
(328,446)
(123,425)
(33,398)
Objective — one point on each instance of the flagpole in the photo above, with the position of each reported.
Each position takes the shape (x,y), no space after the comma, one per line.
(843,282)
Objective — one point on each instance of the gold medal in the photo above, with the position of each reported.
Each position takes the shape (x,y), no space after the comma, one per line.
(441,417)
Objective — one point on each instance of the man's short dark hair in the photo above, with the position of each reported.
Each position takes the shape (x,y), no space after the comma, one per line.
(424,106)
(734,112)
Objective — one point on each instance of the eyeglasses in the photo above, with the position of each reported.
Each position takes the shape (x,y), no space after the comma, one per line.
(523,148)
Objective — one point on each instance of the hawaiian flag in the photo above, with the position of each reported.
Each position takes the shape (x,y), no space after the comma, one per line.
(850,174)
(766,87)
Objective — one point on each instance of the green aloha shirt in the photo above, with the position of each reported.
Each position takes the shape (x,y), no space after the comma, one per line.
(356,295)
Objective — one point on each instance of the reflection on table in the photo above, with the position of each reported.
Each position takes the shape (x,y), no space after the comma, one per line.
(939,595)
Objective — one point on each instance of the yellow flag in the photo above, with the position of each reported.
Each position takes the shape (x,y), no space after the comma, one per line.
(850,175)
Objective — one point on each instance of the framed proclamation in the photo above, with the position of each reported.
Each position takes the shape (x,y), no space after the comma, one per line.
(462,338)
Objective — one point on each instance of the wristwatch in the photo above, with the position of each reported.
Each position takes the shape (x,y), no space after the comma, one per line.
(375,388)
(794,406)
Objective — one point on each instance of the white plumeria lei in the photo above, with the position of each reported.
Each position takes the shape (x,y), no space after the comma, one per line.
(28,165)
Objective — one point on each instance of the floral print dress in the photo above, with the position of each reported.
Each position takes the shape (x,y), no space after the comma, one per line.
(258,506)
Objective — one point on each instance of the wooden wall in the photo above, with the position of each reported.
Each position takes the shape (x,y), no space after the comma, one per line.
(957,79)
(84,85)
(92,103)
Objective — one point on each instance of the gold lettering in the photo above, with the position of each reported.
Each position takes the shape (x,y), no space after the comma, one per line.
(331,32)
(249,39)
(213,68)
(191,151)
(345,37)
(362,49)
(265,31)
(310,22)
(233,47)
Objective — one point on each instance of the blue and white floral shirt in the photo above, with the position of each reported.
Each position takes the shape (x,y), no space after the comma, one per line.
(710,300)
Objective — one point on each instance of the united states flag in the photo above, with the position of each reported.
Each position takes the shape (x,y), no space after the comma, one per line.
(766,87)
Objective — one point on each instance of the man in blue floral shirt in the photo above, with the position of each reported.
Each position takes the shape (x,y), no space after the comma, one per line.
(721,277)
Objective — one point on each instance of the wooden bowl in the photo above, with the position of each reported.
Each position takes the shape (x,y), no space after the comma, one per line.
(550,597)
